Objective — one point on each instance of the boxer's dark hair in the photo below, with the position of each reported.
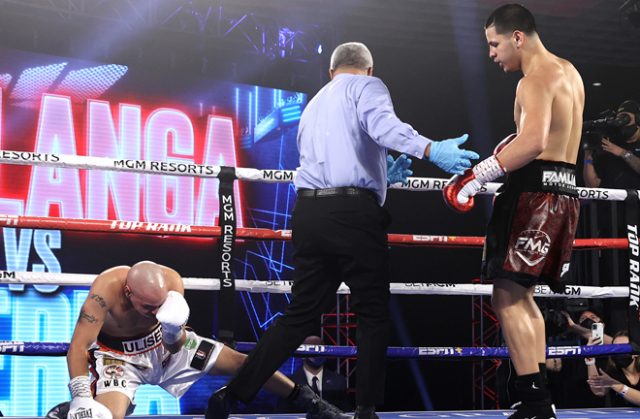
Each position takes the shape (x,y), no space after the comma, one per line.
(512,17)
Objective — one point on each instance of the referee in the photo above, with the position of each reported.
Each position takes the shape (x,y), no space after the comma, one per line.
(339,226)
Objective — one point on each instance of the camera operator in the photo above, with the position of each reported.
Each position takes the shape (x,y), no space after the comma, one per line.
(612,161)
(612,150)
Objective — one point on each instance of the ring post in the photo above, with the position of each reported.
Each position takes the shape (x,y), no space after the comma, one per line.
(227,221)
(631,214)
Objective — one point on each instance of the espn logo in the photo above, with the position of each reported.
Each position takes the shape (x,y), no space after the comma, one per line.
(11,347)
(9,220)
(565,350)
(312,348)
(436,351)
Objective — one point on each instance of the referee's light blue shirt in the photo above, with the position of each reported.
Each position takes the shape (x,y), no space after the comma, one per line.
(344,134)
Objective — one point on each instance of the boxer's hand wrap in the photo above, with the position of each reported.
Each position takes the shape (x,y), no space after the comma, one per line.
(398,170)
(488,169)
(82,405)
(80,386)
(449,157)
(173,315)
(460,190)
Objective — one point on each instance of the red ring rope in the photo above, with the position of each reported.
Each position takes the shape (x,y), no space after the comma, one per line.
(141,227)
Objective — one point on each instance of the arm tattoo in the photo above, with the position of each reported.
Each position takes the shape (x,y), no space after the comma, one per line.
(98,300)
(88,317)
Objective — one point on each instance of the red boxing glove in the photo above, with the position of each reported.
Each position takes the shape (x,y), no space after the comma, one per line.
(453,188)
(502,144)
(459,192)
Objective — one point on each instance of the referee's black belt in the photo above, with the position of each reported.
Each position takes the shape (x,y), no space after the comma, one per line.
(342,191)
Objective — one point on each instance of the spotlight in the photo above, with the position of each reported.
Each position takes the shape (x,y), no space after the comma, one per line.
(319,49)
(631,11)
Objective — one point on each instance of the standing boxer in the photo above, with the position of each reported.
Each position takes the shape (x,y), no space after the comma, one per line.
(530,234)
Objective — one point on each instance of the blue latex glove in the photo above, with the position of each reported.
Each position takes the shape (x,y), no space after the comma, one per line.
(398,170)
(447,156)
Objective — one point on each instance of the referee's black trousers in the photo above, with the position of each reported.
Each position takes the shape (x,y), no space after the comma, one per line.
(335,239)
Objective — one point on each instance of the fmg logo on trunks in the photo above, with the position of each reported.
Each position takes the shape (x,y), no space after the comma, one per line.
(136,346)
(532,246)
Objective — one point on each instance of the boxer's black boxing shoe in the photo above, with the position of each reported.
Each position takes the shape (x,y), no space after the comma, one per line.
(220,404)
(316,408)
(533,410)
(365,412)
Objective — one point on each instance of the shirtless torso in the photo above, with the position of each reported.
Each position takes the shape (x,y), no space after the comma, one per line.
(564,85)
(547,112)
(111,308)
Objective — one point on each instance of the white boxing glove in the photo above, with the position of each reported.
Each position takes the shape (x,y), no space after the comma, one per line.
(173,315)
(82,405)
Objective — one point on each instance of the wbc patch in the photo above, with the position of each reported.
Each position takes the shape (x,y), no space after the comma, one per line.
(113,371)
(114,383)
(202,355)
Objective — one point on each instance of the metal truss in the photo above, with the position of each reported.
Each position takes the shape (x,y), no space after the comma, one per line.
(240,25)
(339,328)
(485,332)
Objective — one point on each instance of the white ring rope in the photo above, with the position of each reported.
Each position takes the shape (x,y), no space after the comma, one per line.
(283,287)
(437,184)
(208,171)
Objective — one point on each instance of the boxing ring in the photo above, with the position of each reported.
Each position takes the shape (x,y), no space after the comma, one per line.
(228,233)
(612,413)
